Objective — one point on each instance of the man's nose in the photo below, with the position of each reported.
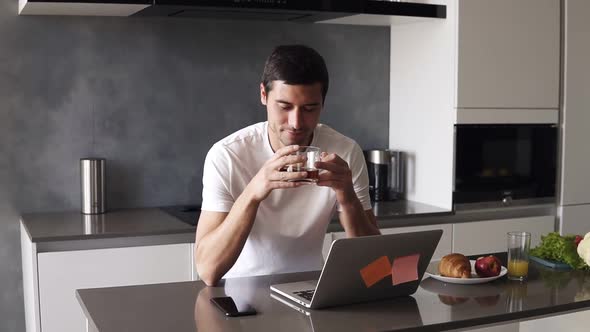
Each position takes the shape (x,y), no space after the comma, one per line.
(295,118)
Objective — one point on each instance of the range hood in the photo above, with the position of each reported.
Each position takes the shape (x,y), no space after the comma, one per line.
(289,10)
(275,10)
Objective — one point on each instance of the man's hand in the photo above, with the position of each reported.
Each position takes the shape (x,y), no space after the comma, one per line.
(269,177)
(337,175)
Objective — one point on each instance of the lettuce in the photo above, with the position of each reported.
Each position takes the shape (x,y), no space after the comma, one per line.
(559,248)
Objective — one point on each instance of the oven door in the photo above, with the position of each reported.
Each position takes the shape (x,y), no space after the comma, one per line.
(504,162)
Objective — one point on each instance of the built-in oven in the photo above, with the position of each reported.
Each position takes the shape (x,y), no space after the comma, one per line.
(504,163)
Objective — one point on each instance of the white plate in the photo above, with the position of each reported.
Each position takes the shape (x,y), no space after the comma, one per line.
(432,271)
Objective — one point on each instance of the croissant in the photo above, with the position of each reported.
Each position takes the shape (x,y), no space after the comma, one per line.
(455,266)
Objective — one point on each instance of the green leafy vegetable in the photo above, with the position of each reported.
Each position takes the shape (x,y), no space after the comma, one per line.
(559,248)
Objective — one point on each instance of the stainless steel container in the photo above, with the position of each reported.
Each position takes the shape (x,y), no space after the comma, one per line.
(92,185)
(386,174)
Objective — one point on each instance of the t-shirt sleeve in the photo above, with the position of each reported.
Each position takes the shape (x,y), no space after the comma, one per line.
(360,177)
(217,196)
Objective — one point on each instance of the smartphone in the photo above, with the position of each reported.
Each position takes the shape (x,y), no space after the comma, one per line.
(227,305)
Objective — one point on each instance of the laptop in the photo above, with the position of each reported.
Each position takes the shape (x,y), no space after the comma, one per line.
(354,270)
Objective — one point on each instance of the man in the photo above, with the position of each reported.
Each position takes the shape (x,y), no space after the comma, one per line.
(254,221)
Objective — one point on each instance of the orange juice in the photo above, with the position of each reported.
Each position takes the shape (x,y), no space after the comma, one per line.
(518,268)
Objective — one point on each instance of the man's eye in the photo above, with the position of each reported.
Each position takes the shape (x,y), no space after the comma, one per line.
(310,110)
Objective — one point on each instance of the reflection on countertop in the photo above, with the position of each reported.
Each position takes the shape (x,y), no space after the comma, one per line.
(73,225)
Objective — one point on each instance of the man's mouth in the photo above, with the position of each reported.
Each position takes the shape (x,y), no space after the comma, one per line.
(295,132)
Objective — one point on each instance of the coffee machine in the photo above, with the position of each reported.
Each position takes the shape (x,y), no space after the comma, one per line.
(386,174)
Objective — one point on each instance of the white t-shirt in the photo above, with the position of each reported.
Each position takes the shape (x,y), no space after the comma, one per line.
(290,225)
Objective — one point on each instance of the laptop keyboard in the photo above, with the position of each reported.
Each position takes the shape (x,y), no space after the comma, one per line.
(306,294)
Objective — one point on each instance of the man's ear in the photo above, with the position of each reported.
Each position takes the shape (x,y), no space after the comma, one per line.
(263,96)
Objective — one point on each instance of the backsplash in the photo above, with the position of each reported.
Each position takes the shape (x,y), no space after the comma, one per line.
(151,96)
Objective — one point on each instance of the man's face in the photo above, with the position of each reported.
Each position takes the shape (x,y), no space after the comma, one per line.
(293,112)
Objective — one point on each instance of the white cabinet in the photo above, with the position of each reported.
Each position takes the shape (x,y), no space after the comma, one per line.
(481,237)
(575,182)
(499,328)
(195,273)
(489,61)
(444,245)
(327,244)
(574,322)
(61,273)
(508,54)
(574,219)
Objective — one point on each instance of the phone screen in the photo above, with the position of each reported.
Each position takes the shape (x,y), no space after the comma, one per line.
(227,305)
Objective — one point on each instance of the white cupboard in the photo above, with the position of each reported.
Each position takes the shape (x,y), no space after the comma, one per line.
(575,150)
(574,219)
(327,244)
(61,273)
(508,54)
(490,236)
(489,61)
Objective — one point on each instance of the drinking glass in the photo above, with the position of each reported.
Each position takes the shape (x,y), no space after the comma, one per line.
(519,244)
(312,154)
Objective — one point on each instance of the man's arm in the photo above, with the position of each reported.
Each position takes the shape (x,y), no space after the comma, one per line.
(337,175)
(221,236)
(358,222)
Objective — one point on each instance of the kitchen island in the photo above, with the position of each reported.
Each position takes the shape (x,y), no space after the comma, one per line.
(65,251)
(436,306)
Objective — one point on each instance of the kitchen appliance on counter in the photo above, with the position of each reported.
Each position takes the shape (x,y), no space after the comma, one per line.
(186,213)
(502,163)
(386,174)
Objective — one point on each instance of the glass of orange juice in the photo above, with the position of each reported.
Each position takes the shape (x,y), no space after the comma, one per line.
(519,244)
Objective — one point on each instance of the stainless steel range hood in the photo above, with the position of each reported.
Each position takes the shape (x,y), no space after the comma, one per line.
(289,10)
(328,11)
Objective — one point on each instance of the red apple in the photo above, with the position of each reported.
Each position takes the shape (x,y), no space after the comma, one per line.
(577,240)
(488,266)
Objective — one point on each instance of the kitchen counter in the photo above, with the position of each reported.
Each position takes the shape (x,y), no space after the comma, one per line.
(71,230)
(72,225)
(398,213)
(387,213)
(436,306)
(170,220)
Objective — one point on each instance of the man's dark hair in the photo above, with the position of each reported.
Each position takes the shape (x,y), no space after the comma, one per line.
(295,64)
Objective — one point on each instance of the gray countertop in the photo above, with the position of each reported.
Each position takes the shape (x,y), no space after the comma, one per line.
(72,230)
(72,225)
(436,306)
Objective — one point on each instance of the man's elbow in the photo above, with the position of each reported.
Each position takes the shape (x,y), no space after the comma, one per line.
(210,280)
(208,275)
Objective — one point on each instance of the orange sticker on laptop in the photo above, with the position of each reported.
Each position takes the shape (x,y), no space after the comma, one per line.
(405,269)
(377,270)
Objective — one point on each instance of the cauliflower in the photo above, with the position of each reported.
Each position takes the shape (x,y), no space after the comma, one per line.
(584,249)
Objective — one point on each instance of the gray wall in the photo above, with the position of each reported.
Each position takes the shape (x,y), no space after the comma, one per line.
(151,96)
